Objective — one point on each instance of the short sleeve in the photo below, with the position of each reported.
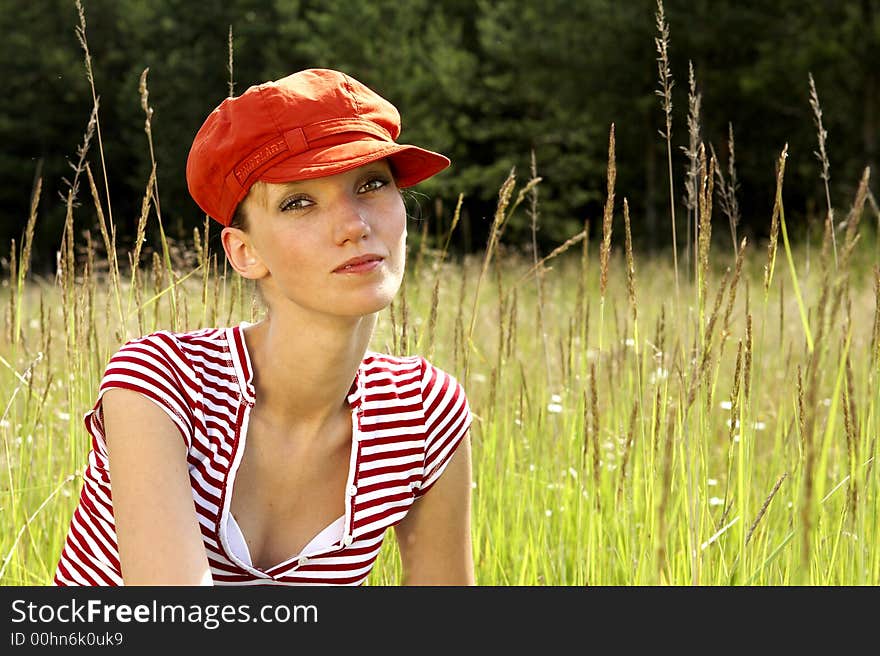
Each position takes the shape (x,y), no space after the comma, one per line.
(447,420)
(155,367)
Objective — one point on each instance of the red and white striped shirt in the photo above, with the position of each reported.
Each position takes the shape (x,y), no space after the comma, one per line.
(408,417)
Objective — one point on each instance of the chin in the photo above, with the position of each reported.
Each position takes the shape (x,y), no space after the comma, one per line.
(365,306)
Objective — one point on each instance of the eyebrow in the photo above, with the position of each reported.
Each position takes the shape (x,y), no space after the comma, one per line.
(290,184)
(372,167)
(274,193)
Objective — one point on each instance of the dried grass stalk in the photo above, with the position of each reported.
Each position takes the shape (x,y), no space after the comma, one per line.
(727,188)
(495,231)
(853,219)
(630,269)
(665,92)
(707,182)
(747,372)
(822,155)
(731,296)
(230,63)
(774,221)
(875,333)
(594,409)
(607,216)
(692,152)
(764,507)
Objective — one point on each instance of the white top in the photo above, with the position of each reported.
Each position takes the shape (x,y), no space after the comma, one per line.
(321,542)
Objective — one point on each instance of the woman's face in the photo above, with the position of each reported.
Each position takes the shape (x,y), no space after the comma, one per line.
(301,235)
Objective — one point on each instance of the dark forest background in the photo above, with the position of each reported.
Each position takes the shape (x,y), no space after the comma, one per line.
(485,82)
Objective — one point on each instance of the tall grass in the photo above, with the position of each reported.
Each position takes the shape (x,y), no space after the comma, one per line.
(721,435)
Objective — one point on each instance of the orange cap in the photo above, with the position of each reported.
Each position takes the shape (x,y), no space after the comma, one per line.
(311,124)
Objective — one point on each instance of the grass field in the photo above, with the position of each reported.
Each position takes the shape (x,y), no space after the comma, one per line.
(703,417)
(635,438)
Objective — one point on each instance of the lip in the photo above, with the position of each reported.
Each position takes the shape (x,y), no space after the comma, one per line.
(360,264)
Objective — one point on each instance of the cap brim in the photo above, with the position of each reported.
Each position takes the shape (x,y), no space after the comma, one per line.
(411,164)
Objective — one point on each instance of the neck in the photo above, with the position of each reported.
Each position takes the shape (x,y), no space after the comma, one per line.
(304,366)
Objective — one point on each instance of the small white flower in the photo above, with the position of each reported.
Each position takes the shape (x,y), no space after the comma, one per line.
(555,398)
(716,501)
(4,424)
(711,482)
(572,472)
(826,402)
(726,405)
(760,425)
(479,378)
(548,512)
(517,422)
(30,439)
(34,323)
(63,416)
(65,492)
(790,504)
(555,408)
(531,468)
(659,374)
(736,438)
(473,485)
(630,341)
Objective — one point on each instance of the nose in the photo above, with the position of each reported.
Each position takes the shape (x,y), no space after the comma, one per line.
(351,222)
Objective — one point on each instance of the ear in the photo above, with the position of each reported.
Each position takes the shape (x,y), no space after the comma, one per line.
(242,255)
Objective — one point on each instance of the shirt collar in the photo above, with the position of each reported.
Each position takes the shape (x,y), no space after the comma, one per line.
(241,360)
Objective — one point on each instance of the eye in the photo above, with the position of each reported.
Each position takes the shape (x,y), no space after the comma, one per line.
(373,184)
(295,203)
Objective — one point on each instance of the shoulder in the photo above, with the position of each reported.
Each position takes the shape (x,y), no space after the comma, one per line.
(375,359)
(408,370)
(382,368)
(159,348)
(172,347)
(159,366)
(447,419)
(169,359)
(167,339)
(439,390)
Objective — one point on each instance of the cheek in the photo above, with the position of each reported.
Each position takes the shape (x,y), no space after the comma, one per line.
(395,223)
(292,258)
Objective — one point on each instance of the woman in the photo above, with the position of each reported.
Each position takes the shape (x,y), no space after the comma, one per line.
(280,452)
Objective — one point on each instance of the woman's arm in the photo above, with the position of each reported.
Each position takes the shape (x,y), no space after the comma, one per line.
(156,525)
(435,536)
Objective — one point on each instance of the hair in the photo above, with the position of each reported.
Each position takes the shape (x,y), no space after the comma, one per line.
(239,218)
